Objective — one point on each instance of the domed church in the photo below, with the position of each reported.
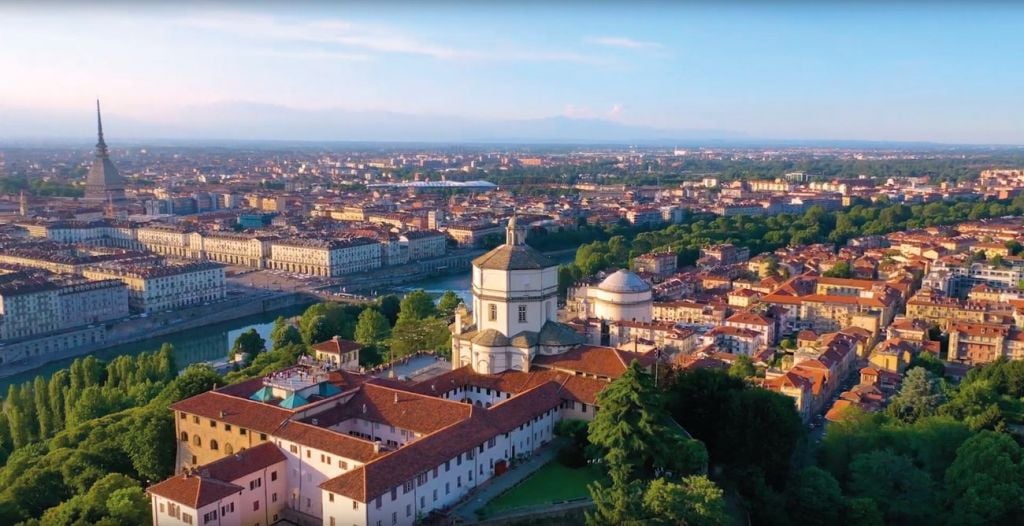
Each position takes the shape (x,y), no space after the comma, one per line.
(622,296)
(515,310)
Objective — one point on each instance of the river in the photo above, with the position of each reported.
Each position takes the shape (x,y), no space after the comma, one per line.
(460,283)
(192,346)
(213,341)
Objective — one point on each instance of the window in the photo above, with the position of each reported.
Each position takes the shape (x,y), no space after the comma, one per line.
(377,503)
(210,517)
(197,441)
(263,436)
(195,419)
(257,483)
(394,493)
(213,423)
(229,449)
(343,464)
(408,510)
(522,314)
(273,497)
(173,510)
(273,476)
(447,488)
(294,449)
(214,446)
(435,495)
(355,505)
(227,427)
(332,522)
(492,312)
(184,436)
(241,431)
(407,487)
(423,502)
(394,517)
(183,416)
(255,505)
(186,518)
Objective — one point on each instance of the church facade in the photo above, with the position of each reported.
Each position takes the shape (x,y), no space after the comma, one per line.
(515,310)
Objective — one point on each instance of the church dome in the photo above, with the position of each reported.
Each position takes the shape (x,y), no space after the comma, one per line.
(624,281)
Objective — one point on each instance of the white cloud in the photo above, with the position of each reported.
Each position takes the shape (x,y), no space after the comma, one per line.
(349,36)
(615,111)
(624,43)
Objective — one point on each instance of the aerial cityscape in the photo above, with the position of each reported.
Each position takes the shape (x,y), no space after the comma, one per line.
(445,264)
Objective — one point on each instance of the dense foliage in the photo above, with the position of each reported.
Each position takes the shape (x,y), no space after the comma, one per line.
(79,448)
(655,471)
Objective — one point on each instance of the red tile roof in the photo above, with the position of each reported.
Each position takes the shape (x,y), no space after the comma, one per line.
(214,481)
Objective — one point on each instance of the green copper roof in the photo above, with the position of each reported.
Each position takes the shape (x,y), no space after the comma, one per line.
(263,395)
(293,401)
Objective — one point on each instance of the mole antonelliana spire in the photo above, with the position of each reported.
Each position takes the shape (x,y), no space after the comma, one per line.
(103,183)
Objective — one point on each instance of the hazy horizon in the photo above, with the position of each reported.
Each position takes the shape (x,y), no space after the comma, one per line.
(463,73)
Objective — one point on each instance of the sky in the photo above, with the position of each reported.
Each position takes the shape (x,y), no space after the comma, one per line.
(918,71)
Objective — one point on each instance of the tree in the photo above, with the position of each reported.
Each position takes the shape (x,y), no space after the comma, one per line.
(21,427)
(150,443)
(323,321)
(903,493)
(930,362)
(841,269)
(815,497)
(284,334)
(390,306)
(447,303)
(195,379)
(43,412)
(863,511)
(696,501)
(130,506)
(920,396)
(640,442)
(249,343)
(372,327)
(985,484)
(743,367)
(417,305)
(411,335)
(317,330)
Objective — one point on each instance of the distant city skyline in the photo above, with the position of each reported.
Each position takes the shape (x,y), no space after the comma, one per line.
(453,72)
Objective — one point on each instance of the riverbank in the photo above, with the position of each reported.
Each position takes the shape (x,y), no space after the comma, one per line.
(158,326)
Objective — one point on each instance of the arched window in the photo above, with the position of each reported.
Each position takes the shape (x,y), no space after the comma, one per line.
(228,449)
(213,445)
(184,436)
(197,441)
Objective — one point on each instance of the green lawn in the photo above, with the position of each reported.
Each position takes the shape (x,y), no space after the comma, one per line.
(551,483)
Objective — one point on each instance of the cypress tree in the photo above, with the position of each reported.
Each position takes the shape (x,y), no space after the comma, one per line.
(42,408)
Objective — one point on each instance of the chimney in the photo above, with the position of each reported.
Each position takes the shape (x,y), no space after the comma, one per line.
(364,409)
(396,398)
(223,414)
(316,421)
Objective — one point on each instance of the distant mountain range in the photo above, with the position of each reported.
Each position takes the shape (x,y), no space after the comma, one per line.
(252,121)
(245,121)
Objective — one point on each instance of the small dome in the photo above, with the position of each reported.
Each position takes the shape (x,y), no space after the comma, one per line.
(624,281)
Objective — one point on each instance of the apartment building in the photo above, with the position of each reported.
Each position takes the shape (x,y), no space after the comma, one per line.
(328,258)
(473,234)
(34,303)
(154,288)
(424,244)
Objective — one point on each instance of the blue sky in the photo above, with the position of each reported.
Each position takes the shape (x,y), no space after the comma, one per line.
(916,71)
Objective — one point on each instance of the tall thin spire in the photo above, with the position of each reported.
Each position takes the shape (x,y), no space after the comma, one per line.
(101,146)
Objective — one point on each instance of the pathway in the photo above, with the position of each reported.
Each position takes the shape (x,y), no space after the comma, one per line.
(466,511)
